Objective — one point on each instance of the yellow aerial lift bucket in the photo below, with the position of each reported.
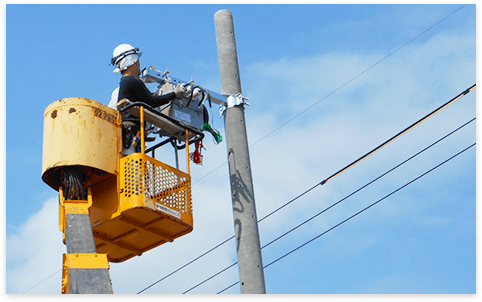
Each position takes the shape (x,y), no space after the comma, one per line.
(138,202)
(154,207)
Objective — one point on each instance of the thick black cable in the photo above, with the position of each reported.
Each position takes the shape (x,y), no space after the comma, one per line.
(73,178)
(359,212)
(401,133)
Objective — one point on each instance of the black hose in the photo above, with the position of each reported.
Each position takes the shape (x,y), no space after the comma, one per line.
(73,178)
(202,98)
(192,93)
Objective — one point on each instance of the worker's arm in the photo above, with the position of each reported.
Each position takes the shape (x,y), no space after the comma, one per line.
(135,90)
(162,99)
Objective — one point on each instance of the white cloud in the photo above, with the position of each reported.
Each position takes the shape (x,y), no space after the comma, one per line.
(35,251)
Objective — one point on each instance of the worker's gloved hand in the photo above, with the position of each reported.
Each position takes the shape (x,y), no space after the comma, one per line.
(179,90)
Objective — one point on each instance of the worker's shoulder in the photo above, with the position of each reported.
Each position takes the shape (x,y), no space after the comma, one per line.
(131,80)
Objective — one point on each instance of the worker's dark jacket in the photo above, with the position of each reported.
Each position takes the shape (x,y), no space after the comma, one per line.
(132,88)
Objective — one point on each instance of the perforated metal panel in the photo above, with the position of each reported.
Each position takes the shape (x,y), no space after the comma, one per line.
(143,177)
(167,187)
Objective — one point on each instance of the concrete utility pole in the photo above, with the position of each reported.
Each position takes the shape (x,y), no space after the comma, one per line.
(251,275)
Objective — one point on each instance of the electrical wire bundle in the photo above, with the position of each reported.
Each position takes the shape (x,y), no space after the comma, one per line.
(74,183)
(217,137)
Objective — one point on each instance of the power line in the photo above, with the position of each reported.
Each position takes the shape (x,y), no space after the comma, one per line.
(172,273)
(343,199)
(41,281)
(338,173)
(223,270)
(371,182)
(386,143)
(423,119)
(381,199)
(356,214)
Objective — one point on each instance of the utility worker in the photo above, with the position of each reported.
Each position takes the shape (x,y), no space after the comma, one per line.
(126,60)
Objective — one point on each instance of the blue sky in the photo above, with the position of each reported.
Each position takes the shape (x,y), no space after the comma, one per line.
(420,240)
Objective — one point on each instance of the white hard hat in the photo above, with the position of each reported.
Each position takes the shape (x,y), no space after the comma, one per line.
(125,56)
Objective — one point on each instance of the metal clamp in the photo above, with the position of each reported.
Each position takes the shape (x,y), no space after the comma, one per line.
(233,100)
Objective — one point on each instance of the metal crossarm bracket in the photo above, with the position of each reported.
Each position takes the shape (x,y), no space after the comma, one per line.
(151,75)
(233,100)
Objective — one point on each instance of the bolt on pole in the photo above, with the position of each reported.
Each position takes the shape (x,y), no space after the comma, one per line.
(251,275)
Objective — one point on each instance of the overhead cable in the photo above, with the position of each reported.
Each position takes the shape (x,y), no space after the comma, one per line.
(343,199)
(423,119)
(371,182)
(336,174)
(41,281)
(358,213)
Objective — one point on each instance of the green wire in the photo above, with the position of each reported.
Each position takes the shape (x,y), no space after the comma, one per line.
(217,136)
